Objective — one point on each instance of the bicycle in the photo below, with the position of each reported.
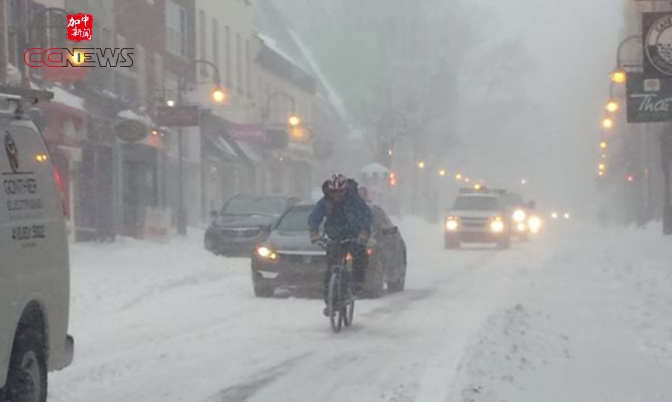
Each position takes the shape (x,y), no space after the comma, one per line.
(340,298)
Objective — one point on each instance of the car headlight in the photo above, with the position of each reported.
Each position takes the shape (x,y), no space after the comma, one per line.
(519,215)
(266,253)
(521,227)
(535,224)
(452,224)
(497,225)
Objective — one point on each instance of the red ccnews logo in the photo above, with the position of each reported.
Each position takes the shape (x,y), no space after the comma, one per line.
(79,28)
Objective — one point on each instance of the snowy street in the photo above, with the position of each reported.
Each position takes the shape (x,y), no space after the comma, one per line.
(579,314)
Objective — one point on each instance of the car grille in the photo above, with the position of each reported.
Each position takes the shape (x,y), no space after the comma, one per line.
(303,259)
(475,223)
(241,233)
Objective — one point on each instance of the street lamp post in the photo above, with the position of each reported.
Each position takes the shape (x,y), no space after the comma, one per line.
(218,95)
(292,119)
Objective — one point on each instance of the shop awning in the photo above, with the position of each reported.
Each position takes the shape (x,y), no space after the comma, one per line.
(222,146)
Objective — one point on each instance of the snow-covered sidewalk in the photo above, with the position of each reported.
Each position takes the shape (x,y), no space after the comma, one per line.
(592,325)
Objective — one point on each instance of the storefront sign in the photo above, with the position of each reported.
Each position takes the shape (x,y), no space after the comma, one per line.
(657,37)
(178,116)
(648,100)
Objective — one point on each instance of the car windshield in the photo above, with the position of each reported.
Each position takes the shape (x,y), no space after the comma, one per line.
(255,206)
(295,220)
(511,200)
(475,203)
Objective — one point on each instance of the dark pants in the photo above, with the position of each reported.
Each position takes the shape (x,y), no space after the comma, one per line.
(360,260)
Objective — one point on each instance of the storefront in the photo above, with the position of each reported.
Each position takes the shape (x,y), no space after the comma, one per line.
(64,130)
(140,182)
(226,169)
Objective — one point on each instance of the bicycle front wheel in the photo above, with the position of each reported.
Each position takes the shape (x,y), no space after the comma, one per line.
(349,313)
(333,304)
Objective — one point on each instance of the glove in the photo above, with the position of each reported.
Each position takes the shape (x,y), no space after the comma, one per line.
(314,237)
(363,237)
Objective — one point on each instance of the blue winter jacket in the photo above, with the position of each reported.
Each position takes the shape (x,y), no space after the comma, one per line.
(344,220)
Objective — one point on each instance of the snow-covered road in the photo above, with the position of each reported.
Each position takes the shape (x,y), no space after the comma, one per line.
(580,314)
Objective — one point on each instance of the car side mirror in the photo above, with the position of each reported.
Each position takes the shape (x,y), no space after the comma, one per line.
(531,205)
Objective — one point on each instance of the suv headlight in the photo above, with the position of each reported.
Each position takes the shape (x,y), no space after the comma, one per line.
(497,225)
(452,224)
(519,216)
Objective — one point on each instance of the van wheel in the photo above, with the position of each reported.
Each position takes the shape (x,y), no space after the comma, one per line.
(27,377)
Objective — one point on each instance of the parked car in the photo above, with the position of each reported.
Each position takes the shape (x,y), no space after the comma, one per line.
(34,269)
(243,222)
(287,259)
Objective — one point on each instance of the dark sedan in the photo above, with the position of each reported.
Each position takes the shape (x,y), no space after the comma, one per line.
(243,222)
(287,259)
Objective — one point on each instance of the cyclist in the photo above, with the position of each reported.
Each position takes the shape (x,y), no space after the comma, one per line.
(345,216)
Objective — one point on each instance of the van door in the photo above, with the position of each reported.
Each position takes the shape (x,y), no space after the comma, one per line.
(33,243)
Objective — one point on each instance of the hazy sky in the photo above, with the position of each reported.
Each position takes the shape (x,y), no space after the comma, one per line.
(573,45)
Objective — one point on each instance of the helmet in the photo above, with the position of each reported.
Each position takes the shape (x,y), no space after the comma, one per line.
(337,183)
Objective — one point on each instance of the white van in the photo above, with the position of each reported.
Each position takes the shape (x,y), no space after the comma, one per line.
(34,265)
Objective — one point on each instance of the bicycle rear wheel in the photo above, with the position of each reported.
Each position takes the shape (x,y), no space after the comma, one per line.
(333,304)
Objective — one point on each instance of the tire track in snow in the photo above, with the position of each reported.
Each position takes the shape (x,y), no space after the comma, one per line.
(244,391)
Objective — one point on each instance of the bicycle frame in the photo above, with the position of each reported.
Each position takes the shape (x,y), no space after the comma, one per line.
(339,298)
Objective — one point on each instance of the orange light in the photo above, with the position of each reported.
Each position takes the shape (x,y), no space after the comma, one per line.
(600,173)
(607,123)
(218,95)
(602,166)
(603,145)
(298,134)
(458,176)
(442,172)
(612,106)
(294,120)
(619,76)
(77,57)
(421,165)
(631,178)
(392,179)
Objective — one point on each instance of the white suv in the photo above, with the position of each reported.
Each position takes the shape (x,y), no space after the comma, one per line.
(34,268)
(476,217)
